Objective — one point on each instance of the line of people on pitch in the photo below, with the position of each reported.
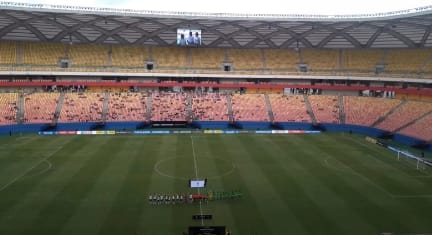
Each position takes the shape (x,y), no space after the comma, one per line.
(165,199)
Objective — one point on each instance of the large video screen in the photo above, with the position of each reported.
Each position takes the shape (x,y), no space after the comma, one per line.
(189,37)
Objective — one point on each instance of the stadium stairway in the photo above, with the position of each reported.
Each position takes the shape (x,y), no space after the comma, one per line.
(189,113)
(413,121)
(309,109)
(381,119)
(58,108)
(229,106)
(148,108)
(269,108)
(20,111)
(105,106)
(341,109)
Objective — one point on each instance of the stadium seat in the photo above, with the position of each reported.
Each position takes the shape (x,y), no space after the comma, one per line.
(289,108)
(361,60)
(168,107)
(89,55)
(365,111)
(246,59)
(46,54)
(281,59)
(407,60)
(320,59)
(40,107)
(127,107)
(82,107)
(408,112)
(207,58)
(170,57)
(249,107)
(8,108)
(8,53)
(422,129)
(325,108)
(129,56)
(209,107)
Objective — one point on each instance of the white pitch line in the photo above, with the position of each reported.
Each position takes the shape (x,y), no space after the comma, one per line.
(194,156)
(29,169)
(366,179)
(196,177)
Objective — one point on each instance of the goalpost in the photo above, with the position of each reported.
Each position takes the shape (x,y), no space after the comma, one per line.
(419,163)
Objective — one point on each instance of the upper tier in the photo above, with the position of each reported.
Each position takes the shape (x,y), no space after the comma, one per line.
(26,56)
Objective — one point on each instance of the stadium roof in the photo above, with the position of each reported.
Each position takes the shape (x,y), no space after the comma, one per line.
(54,23)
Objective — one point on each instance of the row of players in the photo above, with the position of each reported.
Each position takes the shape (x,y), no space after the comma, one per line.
(160,199)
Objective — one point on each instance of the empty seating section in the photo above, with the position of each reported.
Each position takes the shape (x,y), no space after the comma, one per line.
(82,107)
(245,59)
(289,108)
(281,59)
(8,108)
(408,112)
(414,118)
(42,53)
(40,107)
(249,107)
(89,55)
(207,58)
(209,107)
(325,108)
(406,60)
(366,111)
(421,129)
(398,62)
(361,60)
(129,56)
(321,59)
(170,57)
(168,107)
(127,107)
(8,53)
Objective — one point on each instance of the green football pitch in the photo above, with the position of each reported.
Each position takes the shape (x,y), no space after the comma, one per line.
(290,184)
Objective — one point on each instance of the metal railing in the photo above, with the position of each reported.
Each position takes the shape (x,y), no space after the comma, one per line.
(105,10)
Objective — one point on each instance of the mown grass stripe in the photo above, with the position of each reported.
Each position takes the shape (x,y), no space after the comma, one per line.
(124,214)
(94,208)
(388,205)
(289,188)
(54,215)
(211,157)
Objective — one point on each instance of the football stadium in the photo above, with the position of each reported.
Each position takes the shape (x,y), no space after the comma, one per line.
(126,121)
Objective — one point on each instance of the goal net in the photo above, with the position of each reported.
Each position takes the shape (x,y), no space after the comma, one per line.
(409,158)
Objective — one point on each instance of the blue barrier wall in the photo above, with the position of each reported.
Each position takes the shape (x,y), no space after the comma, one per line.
(369,131)
(403,139)
(21,128)
(254,125)
(81,126)
(211,124)
(364,130)
(295,126)
(122,125)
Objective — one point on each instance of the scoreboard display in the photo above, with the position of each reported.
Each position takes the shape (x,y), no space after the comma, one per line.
(207,230)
